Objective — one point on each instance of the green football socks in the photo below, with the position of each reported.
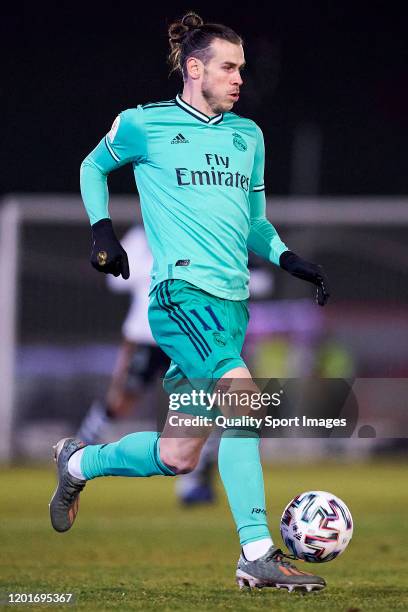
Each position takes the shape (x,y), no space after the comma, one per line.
(241,473)
(137,454)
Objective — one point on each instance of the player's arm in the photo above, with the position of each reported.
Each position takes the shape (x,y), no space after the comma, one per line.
(125,143)
(264,240)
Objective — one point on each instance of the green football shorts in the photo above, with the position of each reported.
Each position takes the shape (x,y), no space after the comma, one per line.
(201,333)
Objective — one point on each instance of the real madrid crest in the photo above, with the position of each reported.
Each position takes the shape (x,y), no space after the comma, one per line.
(239,142)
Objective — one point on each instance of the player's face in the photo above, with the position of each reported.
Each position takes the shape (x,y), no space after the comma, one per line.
(222,75)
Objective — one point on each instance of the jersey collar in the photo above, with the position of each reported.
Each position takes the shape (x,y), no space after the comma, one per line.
(198,114)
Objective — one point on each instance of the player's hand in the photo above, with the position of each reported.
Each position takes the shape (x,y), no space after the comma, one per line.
(313,273)
(107,253)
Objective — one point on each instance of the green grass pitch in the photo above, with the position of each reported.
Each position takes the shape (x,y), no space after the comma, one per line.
(134,548)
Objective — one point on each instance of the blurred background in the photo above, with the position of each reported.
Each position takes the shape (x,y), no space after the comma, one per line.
(328,85)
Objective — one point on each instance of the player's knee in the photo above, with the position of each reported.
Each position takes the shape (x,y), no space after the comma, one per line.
(185,467)
(177,461)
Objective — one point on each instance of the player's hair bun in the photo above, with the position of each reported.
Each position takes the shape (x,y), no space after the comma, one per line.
(191,36)
(192,21)
(179,29)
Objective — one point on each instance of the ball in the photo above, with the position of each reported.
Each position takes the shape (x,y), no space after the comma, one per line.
(316,526)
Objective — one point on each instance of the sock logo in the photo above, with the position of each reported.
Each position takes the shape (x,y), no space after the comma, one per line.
(258,511)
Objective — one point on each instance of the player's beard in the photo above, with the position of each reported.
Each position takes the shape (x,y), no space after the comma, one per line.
(213,102)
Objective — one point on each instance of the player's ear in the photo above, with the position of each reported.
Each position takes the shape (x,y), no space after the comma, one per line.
(194,67)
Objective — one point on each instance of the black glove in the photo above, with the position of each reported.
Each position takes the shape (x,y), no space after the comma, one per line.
(107,253)
(306,271)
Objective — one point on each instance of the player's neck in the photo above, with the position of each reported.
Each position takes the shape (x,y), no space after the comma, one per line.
(197,101)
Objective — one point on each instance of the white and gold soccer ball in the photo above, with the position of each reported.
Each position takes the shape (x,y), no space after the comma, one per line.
(316,526)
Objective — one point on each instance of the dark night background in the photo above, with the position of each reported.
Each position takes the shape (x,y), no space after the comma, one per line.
(68,71)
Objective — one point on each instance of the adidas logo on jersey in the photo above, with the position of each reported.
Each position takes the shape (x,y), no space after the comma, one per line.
(179,139)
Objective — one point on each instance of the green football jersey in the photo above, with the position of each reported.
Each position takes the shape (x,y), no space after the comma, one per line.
(201,187)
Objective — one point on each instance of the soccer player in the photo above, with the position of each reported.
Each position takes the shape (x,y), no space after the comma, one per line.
(199,171)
